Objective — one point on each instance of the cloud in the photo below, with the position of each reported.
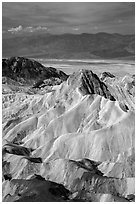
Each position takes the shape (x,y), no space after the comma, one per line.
(76,29)
(27,29)
(17,29)
(32,29)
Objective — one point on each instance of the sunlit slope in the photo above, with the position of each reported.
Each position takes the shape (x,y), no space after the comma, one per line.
(83,117)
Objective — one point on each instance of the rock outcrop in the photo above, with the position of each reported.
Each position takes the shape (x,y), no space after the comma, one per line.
(47,82)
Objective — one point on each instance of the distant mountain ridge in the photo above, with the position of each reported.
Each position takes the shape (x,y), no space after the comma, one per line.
(69,46)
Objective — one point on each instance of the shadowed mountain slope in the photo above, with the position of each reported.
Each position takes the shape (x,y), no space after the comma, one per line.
(82,46)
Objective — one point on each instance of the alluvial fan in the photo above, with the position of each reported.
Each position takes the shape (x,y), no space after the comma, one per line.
(67,138)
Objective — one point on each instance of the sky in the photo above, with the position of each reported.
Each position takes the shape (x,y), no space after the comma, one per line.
(69,17)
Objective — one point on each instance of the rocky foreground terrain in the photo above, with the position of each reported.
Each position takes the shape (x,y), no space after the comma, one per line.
(67,138)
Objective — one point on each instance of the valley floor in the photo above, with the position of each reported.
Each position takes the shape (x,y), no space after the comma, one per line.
(116,67)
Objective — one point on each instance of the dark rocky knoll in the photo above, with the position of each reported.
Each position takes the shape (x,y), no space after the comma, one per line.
(18,68)
(105,75)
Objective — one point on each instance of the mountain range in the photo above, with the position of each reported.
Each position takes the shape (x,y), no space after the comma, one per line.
(68,46)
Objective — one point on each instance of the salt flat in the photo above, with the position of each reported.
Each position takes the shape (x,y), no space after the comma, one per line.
(116,67)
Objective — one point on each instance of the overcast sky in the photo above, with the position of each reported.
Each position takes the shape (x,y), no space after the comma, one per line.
(64,17)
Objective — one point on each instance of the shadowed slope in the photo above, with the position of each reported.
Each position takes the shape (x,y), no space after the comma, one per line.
(35,190)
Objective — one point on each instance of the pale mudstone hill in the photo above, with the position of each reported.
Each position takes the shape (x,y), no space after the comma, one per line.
(79,134)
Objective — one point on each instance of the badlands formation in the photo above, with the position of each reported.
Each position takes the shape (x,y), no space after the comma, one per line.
(67,138)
